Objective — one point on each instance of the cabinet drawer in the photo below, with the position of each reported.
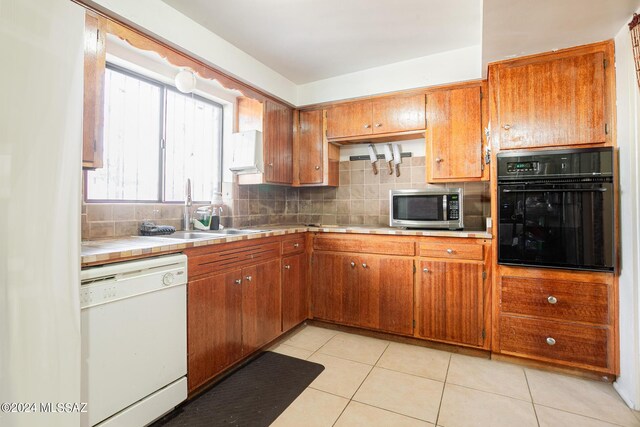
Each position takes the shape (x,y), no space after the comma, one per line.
(555,299)
(236,256)
(293,245)
(584,345)
(451,250)
(368,245)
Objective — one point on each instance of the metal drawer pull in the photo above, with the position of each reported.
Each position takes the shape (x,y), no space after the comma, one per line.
(317,168)
(450,251)
(506,127)
(552,299)
(237,281)
(425,270)
(367,126)
(438,160)
(378,125)
(364,265)
(287,267)
(551,341)
(248,278)
(353,264)
(295,245)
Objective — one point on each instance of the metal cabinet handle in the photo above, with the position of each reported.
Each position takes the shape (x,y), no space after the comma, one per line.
(249,278)
(317,168)
(425,270)
(353,264)
(378,125)
(551,341)
(506,127)
(237,281)
(367,126)
(438,160)
(295,245)
(552,299)
(287,267)
(450,251)
(270,164)
(364,265)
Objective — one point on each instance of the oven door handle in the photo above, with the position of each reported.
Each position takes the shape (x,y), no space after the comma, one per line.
(563,190)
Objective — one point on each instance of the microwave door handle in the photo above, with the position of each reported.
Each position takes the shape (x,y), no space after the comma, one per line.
(561,190)
(444,207)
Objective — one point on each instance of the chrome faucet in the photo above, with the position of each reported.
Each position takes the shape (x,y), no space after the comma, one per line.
(186,216)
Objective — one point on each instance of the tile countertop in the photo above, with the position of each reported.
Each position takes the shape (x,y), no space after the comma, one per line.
(95,252)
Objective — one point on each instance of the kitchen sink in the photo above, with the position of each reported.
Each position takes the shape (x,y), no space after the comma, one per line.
(236,231)
(191,235)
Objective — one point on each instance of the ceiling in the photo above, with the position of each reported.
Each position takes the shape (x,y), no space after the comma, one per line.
(309,40)
(514,28)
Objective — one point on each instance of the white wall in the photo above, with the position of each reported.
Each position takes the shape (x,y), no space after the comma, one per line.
(628,112)
(169,24)
(447,67)
(41,42)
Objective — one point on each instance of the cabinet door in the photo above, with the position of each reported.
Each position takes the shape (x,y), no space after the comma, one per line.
(214,325)
(327,286)
(311,147)
(351,119)
(355,307)
(555,102)
(295,296)
(463,298)
(398,114)
(454,134)
(93,110)
(395,294)
(430,299)
(261,307)
(278,143)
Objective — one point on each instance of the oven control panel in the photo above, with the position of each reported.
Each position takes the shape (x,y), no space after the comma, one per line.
(530,166)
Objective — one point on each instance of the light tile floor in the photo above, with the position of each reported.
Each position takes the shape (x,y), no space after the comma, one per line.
(372,382)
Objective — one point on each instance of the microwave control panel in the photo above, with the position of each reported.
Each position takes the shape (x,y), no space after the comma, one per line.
(453,207)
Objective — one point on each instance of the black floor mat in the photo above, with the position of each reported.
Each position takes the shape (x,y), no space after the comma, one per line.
(253,396)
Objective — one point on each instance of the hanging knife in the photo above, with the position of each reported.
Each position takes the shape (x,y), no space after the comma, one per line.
(388,157)
(373,156)
(397,158)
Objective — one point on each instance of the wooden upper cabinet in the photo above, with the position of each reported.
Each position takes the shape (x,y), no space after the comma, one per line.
(316,161)
(559,99)
(278,143)
(352,119)
(379,116)
(93,109)
(454,134)
(398,114)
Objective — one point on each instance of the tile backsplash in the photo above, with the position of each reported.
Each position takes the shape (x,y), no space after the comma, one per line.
(361,199)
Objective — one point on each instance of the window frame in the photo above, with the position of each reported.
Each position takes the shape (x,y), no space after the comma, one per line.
(162,146)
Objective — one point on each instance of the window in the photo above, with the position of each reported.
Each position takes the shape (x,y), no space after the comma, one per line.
(154,139)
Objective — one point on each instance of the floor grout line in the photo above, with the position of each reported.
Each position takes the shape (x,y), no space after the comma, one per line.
(581,415)
(444,385)
(533,405)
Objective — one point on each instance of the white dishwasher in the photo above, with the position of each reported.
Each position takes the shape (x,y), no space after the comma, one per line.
(134,340)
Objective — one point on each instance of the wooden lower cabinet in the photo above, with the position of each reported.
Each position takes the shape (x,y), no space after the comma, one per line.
(214,310)
(365,290)
(450,301)
(295,291)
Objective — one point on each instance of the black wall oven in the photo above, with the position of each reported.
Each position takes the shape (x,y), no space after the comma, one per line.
(556,209)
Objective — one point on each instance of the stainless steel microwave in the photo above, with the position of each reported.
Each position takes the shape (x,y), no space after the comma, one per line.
(433,208)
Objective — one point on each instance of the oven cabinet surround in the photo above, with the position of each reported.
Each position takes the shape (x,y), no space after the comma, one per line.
(236,302)
(93,109)
(275,121)
(379,117)
(556,99)
(380,283)
(316,161)
(559,316)
(455,139)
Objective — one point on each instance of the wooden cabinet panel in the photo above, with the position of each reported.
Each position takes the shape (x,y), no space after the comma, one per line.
(364,244)
(327,286)
(555,299)
(395,295)
(93,109)
(278,143)
(355,310)
(293,245)
(556,341)
(311,147)
(450,302)
(352,119)
(214,326)
(261,305)
(454,134)
(451,250)
(557,101)
(295,292)
(206,260)
(398,114)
